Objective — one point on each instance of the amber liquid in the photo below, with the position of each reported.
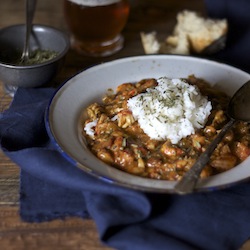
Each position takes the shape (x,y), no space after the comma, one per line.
(96,30)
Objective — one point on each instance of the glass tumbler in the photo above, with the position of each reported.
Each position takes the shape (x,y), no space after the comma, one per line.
(95,25)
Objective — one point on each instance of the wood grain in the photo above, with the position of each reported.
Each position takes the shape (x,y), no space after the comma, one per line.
(71,233)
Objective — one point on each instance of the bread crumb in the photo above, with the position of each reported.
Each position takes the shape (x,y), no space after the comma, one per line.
(150,43)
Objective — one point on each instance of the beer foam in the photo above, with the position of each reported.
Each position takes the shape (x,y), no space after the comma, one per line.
(93,3)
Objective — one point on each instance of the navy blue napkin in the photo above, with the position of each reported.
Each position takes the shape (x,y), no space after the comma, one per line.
(51,187)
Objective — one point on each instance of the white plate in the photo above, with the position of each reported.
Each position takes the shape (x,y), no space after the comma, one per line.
(62,118)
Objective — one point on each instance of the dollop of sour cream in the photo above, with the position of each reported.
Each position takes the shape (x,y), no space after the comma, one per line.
(172,110)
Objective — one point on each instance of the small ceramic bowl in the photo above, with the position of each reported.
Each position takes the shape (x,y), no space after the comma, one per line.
(14,74)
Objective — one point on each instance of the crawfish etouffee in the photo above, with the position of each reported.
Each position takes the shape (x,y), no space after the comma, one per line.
(157,128)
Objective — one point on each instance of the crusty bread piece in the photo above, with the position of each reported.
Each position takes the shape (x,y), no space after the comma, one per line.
(150,43)
(178,44)
(199,32)
(192,34)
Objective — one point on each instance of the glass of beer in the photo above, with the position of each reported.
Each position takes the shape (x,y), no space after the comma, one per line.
(96,25)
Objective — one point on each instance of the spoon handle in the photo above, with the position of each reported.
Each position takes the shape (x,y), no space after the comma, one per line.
(190,178)
(30,11)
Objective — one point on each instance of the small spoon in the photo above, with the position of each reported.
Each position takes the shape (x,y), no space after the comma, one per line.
(238,110)
(30,10)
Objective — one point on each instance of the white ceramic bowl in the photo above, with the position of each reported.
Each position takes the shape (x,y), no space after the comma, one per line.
(62,118)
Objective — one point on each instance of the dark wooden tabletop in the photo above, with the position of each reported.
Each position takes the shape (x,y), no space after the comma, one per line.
(72,233)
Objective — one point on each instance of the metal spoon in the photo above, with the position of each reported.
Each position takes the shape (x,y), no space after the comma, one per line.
(238,110)
(30,10)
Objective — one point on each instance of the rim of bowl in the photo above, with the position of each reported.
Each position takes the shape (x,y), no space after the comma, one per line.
(57,58)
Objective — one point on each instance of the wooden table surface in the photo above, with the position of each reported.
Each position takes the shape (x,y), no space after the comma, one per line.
(72,233)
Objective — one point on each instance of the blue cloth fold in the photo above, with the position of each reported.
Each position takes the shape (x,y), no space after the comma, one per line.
(51,187)
(44,201)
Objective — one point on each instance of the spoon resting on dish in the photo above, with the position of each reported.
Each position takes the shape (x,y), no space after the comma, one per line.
(237,111)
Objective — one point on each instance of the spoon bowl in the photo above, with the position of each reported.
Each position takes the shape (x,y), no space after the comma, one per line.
(239,103)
